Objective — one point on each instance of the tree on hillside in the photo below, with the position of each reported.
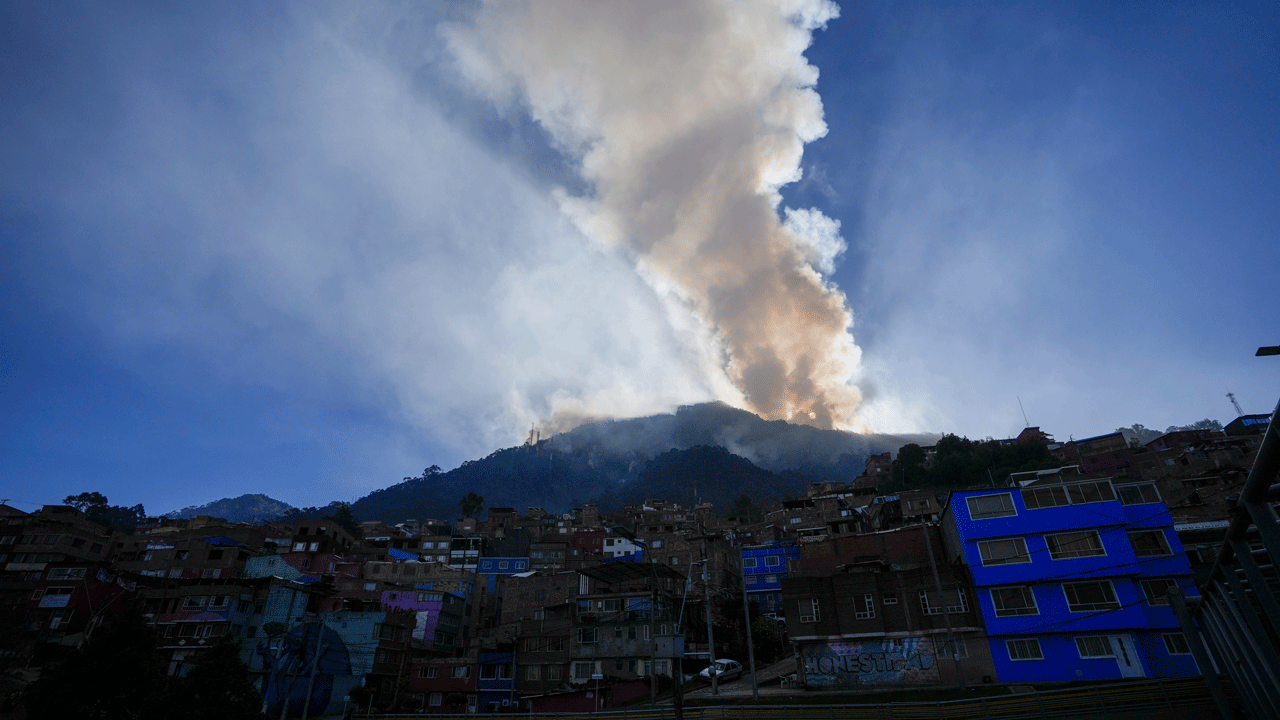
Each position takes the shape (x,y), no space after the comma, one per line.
(909,468)
(345,518)
(1142,433)
(745,510)
(1205,424)
(116,517)
(471,503)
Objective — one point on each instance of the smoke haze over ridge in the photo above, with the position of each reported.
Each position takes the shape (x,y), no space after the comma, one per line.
(307,248)
(686,118)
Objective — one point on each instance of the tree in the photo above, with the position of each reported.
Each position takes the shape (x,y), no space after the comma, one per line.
(345,518)
(471,503)
(116,517)
(745,510)
(218,688)
(910,465)
(86,500)
(117,674)
(1205,424)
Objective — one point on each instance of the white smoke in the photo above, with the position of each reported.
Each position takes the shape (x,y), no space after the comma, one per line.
(686,118)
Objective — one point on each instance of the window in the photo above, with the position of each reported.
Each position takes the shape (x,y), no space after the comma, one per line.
(772,561)
(583,670)
(1090,596)
(211,572)
(810,612)
(299,546)
(771,579)
(931,603)
(193,602)
(586,635)
(315,546)
(370,586)
(66,573)
(1155,590)
(218,602)
(1044,497)
(631,632)
(427,672)
(503,565)
(657,544)
(488,672)
(794,521)
(748,562)
(1138,494)
(675,559)
(553,672)
(533,672)
(1004,552)
(215,554)
(991,506)
(1028,649)
(1097,646)
(1014,601)
(436,699)
(462,671)
(1176,644)
(890,599)
(1091,492)
(866,608)
(1064,546)
(1149,543)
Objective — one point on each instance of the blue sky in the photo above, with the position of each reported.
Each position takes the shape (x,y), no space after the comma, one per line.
(308,249)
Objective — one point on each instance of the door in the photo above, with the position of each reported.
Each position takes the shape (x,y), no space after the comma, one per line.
(1127,656)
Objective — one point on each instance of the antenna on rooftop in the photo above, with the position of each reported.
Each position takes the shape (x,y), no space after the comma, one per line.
(1233,402)
(1024,411)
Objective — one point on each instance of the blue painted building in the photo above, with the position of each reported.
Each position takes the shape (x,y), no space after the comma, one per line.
(497,681)
(1071,579)
(764,567)
(490,568)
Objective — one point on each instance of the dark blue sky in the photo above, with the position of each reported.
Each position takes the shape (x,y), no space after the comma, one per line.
(289,251)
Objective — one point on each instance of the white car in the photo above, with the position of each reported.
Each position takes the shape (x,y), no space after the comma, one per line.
(723,670)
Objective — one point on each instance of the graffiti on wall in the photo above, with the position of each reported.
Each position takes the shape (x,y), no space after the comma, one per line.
(313,652)
(875,661)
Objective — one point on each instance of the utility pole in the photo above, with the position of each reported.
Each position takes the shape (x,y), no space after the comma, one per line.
(315,666)
(653,644)
(751,648)
(946,616)
(711,636)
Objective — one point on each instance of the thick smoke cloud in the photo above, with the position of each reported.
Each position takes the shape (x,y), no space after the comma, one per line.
(686,118)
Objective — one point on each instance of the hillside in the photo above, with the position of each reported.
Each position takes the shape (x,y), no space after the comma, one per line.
(245,508)
(602,462)
(702,474)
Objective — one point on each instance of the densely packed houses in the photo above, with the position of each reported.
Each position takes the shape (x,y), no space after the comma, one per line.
(1052,575)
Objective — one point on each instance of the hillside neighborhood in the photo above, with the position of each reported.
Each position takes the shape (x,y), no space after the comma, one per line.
(891,577)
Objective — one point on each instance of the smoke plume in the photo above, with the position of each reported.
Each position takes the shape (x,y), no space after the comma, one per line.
(685,119)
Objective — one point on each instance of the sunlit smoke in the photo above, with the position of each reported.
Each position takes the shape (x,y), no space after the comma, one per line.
(686,118)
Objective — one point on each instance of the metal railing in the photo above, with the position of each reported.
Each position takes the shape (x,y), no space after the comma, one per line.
(1234,627)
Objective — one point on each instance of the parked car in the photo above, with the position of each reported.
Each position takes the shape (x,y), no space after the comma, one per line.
(777,617)
(723,670)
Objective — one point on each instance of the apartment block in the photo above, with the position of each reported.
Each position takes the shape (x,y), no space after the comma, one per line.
(1071,577)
